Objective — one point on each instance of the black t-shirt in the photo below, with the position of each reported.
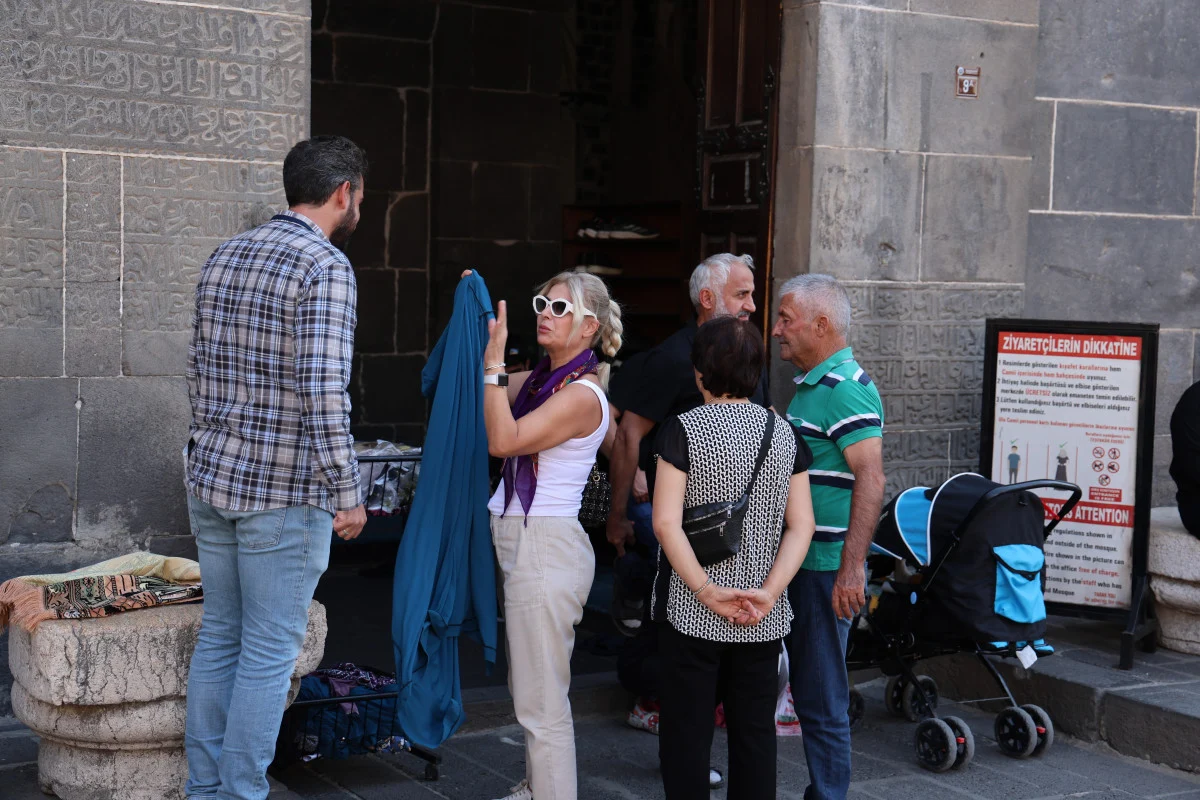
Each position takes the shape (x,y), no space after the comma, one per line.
(1185,457)
(671,444)
(664,385)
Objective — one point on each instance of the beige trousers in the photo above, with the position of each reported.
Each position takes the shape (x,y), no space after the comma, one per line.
(548,566)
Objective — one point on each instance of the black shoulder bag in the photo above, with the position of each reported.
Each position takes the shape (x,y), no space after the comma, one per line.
(715,529)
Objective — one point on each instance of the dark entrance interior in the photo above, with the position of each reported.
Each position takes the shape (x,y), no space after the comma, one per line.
(514,137)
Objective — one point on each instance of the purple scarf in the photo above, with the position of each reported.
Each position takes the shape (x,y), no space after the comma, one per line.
(520,472)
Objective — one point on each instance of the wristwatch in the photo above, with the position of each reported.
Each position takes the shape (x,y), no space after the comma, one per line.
(499,379)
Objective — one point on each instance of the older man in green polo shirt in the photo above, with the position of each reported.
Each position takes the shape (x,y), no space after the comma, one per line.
(838,411)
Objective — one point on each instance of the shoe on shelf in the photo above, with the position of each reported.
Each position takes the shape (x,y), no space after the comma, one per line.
(590,229)
(644,716)
(597,264)
(519,792)
(625,229)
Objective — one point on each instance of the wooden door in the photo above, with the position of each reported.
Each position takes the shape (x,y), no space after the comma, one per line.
(735,153)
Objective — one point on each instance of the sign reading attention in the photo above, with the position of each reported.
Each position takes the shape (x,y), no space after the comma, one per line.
(1068,402)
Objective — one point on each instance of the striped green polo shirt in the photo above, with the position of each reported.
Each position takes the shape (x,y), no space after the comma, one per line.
(836,405)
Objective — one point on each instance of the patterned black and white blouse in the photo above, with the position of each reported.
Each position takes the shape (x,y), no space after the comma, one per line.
(716,445)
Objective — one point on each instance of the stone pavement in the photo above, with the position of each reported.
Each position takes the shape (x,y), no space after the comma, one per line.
(619,763)
(1151,711)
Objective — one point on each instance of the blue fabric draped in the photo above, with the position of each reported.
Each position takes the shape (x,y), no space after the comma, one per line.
(445,581)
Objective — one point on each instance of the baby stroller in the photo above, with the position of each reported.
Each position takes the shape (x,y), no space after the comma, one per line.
(957,569)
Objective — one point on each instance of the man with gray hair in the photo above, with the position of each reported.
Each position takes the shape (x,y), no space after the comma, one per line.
(721,285)
(838,411)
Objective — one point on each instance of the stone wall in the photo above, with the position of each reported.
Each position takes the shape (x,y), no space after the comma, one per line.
(134,137)
(372,67)
(912,197)
(502,148)
(1113,224)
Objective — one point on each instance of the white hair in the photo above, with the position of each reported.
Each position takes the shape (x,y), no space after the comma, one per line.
(820,294)
(713,273)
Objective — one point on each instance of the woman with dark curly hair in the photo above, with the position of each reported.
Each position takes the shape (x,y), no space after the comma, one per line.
(734,613)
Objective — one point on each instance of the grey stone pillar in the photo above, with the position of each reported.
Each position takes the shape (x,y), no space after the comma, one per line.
(134,136)
(916,199)
(1113,223)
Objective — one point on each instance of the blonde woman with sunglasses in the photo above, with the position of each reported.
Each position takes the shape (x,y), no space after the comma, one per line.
(547,426)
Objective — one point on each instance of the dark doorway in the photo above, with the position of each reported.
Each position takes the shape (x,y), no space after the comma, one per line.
(520,138)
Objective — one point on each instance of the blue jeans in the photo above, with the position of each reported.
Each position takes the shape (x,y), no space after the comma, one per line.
(820,687)
(641,515)
(260,569)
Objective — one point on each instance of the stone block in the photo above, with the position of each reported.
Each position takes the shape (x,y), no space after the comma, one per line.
(236,82)
(408,231)
(509,120)
(376,331)
(392,389)
(546,53)
(1116,158)
(322,57)
(1161,725)
(866,216)
(416,141)
(1174,567)
(1175,359)
(545,204)
(1076,56)
(97,664)
(452,63)
(499,201)
(414,19)
(411,288)
(337,109)
(1163,490)
(31,262)
(1025,11)
(452,199)
(1128,270)
(93,328)
(388,62)
(131,431)
(367,247)
(1039,184)
(976,216)
(500,49)
(176,213)
(887,81)
(798,85)
(793,216)
(38,440)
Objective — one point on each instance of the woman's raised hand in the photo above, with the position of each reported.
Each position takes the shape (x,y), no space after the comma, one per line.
(497,336)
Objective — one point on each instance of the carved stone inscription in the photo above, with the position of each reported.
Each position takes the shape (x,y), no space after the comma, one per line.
(93,266)
(923,347)
(31,262)
(176,213)
(129,75)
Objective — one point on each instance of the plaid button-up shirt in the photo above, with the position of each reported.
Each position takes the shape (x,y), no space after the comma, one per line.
(268,366)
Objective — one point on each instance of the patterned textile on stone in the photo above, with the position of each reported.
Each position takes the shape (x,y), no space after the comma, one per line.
(126,583)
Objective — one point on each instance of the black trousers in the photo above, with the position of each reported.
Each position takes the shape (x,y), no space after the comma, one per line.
(688,694)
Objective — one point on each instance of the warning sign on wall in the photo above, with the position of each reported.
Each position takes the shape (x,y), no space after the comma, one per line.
(1067,405)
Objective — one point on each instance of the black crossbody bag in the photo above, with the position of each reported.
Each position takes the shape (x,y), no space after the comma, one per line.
(715,529)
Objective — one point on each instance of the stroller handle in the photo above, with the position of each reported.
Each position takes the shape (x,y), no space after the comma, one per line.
(1061,486)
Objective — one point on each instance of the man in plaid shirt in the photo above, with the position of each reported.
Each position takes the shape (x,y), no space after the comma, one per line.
(271,472)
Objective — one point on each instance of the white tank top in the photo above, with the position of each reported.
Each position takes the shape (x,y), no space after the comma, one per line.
(562,472)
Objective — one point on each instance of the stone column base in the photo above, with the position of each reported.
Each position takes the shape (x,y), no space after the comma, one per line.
(1175,580)
(79,773)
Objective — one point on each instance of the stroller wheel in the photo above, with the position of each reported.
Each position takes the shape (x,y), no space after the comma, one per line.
(1045,728)
(936,745)
(893,695)
(1016,732)
(964,740)
(858,708)
(913,705)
